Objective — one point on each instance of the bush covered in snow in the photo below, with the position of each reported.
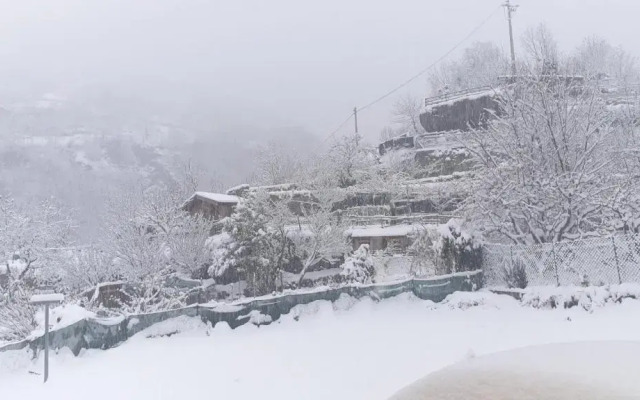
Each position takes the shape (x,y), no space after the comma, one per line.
(359,266)
(573,296)
(457,249)
(17,317)
(445,250)
(257,246)
(515,275)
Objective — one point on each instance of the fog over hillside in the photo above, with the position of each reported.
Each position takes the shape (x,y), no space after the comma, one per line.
(78,147)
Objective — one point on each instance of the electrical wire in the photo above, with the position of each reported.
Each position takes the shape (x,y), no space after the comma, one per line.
(339,127)
(448,53)
(419,74)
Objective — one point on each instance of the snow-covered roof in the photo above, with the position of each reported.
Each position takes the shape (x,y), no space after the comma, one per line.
(216,197)
(383,231)
(237,188)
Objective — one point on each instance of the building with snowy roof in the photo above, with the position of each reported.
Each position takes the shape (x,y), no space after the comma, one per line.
(214,206)
(393,239)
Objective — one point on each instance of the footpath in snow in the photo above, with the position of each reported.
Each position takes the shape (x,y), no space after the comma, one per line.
(346,350)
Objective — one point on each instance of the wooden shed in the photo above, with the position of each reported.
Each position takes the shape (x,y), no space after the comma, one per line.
(214,206)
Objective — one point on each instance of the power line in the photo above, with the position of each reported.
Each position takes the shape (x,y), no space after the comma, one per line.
(339,127)
(416,76)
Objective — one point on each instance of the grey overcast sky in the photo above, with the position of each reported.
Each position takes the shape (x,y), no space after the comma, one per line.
(276,62)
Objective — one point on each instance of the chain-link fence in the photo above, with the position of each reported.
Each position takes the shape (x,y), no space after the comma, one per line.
(609,260)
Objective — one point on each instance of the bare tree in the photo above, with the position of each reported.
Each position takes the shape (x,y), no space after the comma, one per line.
(596,58)
(277,164)
(188,251)
(387,133)
(322,234)
(87,267)
(406,115)
(541,49)
(480,65)
(149,238)
(349,160)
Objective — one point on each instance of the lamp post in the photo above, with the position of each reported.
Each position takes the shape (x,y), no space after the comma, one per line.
(46,300)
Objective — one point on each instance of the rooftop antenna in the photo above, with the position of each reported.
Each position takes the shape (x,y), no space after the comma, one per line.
(511,8)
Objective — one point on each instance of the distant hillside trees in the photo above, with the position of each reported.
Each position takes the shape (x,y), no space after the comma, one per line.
(596,58)
(480,65)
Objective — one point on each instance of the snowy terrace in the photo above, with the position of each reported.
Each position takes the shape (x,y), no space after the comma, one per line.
(428,141)
(459,111)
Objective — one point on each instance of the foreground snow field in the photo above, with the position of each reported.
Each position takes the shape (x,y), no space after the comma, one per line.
(346,350)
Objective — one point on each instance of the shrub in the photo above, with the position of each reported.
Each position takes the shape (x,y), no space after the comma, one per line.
(359,267)
(457,251)
(515,275)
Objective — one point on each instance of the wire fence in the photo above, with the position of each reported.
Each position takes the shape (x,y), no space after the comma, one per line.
(607,260)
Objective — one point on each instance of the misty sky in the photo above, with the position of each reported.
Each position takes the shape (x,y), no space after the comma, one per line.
(270,63)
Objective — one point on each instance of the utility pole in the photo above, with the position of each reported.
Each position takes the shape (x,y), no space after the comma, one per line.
(355,117)
(511,8)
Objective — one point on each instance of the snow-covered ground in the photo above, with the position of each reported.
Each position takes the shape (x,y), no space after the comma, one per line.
(564,371)
(346,350)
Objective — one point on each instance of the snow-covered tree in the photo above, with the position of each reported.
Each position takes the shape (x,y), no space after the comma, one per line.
(549,166)
(406,114)
(388,133)
(88,266)
(277,164)
(321,234)
(480,65)
(257,244)
(359,266)
(423,252)
(596,58)
(541,50)
(188,251)
(149,238)
(34,240)
(348,160)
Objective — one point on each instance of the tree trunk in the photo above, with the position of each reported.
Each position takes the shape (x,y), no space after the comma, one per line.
(307,264)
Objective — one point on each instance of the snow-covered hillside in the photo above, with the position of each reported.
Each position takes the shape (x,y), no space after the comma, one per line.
(346,350)
(80,148)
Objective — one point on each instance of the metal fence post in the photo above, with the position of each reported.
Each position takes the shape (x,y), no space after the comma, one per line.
(511,251)
(615,255)
(555,262)
(46,342)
